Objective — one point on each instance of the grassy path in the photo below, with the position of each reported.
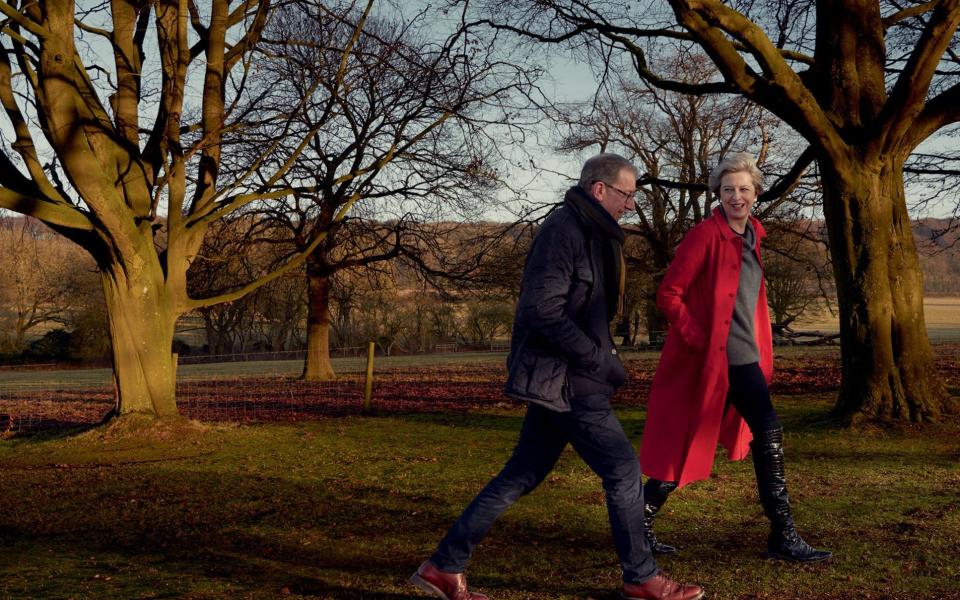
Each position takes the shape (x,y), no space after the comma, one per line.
(345,508)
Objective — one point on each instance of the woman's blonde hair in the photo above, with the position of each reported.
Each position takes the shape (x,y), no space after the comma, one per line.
(736,162)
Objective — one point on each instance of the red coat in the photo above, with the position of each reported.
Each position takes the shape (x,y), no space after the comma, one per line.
(685,414)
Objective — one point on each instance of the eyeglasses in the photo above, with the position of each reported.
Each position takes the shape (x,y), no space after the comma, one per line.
(626,195)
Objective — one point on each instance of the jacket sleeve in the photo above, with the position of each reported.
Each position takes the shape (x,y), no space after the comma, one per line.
(672,295)
(548,276)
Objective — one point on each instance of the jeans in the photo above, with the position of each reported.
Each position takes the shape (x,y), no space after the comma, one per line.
(596,435)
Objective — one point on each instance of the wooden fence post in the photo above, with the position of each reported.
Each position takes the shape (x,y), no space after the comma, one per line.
(368,389)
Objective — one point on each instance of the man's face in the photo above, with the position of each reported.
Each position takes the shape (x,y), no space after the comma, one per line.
(618,197)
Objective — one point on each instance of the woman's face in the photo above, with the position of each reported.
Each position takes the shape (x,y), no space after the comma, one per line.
(738,194)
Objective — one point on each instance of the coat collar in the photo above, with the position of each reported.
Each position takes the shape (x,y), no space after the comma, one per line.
(589,212)
(727,233)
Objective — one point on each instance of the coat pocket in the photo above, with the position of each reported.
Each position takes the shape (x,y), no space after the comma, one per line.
(540,378)
(617,374)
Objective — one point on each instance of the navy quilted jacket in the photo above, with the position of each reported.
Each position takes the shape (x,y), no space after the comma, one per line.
(561,345)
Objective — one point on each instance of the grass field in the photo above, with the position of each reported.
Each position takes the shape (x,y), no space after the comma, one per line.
(292,367)
(942,316)
(346,508)
(942,319)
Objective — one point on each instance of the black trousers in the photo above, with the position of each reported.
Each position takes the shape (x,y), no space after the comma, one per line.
(750,395)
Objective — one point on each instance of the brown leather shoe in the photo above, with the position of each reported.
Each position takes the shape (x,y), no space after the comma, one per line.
(661,587)
(448,586)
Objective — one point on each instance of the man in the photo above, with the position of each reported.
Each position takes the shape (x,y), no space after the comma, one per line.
(564,365)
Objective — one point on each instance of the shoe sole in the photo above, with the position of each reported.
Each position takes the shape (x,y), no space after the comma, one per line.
(697,597)
(784,557)
(428,587)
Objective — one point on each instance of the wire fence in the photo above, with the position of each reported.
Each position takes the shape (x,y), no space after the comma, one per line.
(343,352)
(270,388)
(272,396)
(52,404)
(257,387)
(264,355)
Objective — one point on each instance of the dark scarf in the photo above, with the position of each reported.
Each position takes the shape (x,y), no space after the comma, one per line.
(616,269)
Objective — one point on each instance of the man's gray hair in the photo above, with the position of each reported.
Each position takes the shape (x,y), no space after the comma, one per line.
(736,162)
(604,167)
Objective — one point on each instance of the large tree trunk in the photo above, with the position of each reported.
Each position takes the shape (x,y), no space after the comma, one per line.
(656,321)
(218,330)
(317,366)
(142,323)
(888,365)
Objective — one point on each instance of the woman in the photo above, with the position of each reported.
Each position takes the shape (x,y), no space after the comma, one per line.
(711,383)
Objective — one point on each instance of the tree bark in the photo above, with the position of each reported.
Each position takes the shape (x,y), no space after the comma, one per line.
(142,323)
(656,321)
(317,365)
(888,367)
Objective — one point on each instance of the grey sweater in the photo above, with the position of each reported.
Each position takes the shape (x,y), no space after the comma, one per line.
(741,343)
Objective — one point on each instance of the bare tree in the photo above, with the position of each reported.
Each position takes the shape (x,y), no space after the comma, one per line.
(398,144)
(865,83)
(271,317)
(486,320)
(383,316)
(675,139)
(281,308)
(40,280)
(792,282)
(118,155)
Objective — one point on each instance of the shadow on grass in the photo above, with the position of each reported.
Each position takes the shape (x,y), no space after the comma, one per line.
(349,540)
(814,416)
(54,429)
(474,420)
(354,531)
(811,422)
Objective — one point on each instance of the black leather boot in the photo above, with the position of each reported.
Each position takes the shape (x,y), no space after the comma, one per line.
(655,493)
(784,542)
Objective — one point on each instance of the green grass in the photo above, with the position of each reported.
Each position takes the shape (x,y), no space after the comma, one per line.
(347,508)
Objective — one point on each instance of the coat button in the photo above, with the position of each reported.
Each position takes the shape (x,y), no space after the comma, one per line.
(731,295)
(726,322)
(722,348)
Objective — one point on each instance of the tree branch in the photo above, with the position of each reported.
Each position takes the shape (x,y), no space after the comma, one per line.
(942,110)
(253,32)
(912,11)
(784,93)
(94,30)
(297,260)
(61,215)
(645,179)
(20,19)
(909,93)
(23,144)
(791,178)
